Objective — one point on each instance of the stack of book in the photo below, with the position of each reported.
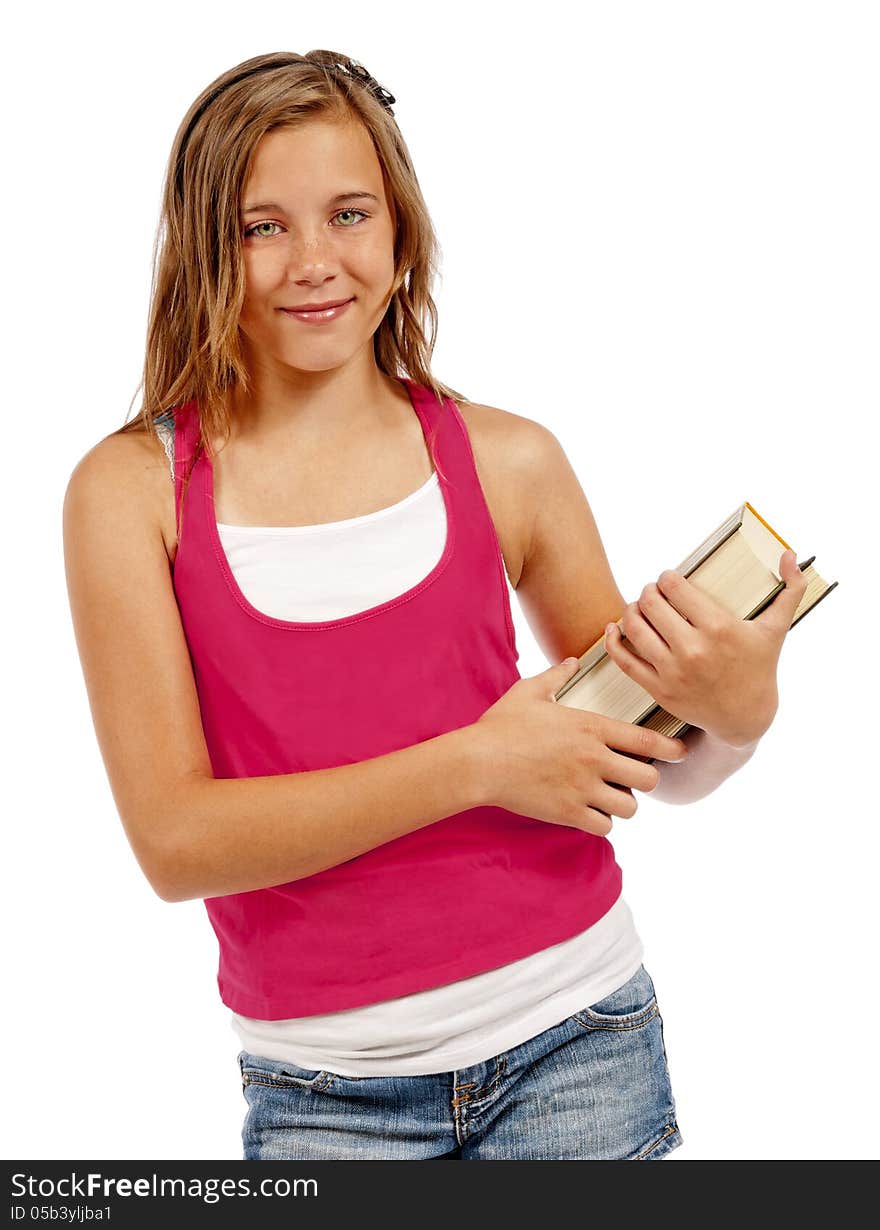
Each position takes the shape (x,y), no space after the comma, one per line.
(737,566)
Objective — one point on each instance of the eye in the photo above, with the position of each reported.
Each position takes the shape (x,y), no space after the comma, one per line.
(252,230)
(351,211)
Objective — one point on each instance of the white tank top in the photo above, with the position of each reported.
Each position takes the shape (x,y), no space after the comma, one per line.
(328,571)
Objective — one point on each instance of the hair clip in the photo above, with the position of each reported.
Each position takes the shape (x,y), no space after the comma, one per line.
(353,69)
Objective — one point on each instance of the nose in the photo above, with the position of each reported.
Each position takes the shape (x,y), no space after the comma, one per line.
(311,257)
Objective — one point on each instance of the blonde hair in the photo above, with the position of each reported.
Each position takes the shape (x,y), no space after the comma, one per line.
(193,343)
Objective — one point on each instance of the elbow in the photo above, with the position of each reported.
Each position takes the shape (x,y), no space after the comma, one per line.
(679,790)
(668,788)
(174,859)
(167,891)
(164,895)
(168,867)
(170,881)
(676,799)
(164,882)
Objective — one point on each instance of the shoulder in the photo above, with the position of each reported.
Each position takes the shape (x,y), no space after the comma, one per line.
(520,440)
(515,458)
(129,472)
(126,458)
(524,450)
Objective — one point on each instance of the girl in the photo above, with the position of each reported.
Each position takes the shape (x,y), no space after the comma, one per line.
(401,844)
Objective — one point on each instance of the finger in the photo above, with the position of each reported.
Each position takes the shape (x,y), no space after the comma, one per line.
(641,637)
(629,773)
(627,737)
(631,664)
(779,615)
(692,604)
(596,821)
(614,801)
(664,618)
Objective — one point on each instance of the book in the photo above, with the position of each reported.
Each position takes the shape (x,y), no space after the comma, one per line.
(738,567)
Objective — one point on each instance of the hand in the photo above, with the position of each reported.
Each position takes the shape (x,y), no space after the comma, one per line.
(564,765)
(702,664)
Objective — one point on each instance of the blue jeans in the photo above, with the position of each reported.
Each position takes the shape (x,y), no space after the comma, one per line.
(595,1087)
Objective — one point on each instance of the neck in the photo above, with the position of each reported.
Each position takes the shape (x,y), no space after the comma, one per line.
(285,403)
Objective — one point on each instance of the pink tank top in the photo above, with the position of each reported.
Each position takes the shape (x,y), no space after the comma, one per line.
(466,894)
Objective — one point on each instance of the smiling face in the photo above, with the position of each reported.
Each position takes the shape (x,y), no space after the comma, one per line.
(314,238)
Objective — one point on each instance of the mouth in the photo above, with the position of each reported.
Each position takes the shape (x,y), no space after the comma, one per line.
(320,314)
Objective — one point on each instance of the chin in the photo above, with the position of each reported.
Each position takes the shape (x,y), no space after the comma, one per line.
(315,362)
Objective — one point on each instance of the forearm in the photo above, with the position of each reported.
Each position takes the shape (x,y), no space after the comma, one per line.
(233,835)
(709,763)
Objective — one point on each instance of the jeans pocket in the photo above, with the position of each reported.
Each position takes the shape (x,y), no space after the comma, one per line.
(278,1073)
(629,1007)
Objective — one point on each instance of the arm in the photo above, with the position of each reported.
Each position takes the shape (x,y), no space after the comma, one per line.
(192,835)
(568,594)
(709,763)
(301,823)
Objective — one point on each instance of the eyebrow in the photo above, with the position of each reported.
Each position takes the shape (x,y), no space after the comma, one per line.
(260,206)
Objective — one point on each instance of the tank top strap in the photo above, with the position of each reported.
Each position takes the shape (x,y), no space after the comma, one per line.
(186,433)
(449,443)
(453,454)
(434,416)
(186,437)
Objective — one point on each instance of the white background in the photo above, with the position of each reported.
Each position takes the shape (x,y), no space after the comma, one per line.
(691,191)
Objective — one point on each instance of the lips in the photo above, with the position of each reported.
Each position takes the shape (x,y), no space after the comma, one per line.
(316,307)
(319,316)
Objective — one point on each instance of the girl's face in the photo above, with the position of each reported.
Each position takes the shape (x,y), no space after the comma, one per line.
(316,227)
